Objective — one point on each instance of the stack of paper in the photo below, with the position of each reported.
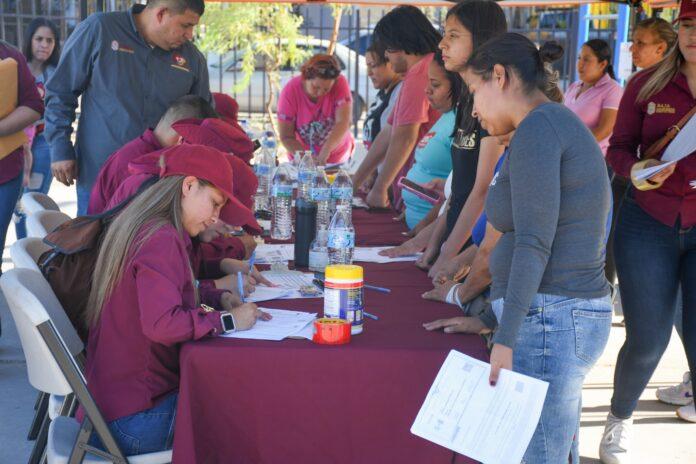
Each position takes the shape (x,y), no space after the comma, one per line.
(274,253)
(646,173)
(464,413)
(263,293)
(290,282)
(371,255)
(283,324)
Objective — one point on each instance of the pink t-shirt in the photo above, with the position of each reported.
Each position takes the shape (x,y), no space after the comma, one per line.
(605,94)
(315,120)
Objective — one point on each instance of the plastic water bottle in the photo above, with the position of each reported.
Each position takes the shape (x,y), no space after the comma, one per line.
(342,191)
(318,251)
(281,194)
(264,161)
(305,175)
(320,193)
(341,237)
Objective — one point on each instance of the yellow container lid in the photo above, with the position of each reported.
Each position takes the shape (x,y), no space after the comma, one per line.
(344,271)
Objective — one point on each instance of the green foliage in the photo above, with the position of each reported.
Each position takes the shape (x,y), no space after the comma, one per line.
(264,34)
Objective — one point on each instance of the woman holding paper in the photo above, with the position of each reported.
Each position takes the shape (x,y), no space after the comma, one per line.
(655,242)
(548,287)
(17,111)
(145,303)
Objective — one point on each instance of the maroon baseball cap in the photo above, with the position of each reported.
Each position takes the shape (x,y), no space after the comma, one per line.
(687,9)
(205,163)
(216,133)
(244,180)
(226,106)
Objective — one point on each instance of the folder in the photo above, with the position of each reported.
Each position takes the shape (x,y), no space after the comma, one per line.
(9,92)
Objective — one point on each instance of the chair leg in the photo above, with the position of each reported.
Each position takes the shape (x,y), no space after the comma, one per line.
(37,452)
(41,411)
(39,398)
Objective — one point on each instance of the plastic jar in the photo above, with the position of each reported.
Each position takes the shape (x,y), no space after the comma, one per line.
(343,294)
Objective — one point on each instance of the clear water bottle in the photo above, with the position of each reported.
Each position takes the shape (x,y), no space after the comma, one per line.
(320,193)
(305,175)
(264,161)
(318,251)
(341,237)
(281,196)
(342,190)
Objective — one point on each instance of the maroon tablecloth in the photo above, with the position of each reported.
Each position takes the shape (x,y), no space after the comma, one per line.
(250,401)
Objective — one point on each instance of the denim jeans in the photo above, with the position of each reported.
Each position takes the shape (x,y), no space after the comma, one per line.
(9,194)
(83,192)
(652,261)
(40,180)
(559,341)
(144,432)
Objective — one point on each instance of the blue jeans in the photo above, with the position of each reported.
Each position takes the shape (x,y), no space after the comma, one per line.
(144,432)
(559,341)
(83,193)
(9,194)
(40,180)
(652,261)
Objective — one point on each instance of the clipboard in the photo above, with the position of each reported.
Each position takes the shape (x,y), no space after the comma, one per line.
(9,92)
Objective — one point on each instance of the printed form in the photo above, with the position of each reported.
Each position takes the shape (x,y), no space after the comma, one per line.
(464,413)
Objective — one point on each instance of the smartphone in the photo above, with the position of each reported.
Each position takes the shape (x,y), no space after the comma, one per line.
(421,192)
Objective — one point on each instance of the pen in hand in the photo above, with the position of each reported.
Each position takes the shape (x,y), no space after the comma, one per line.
(240,286)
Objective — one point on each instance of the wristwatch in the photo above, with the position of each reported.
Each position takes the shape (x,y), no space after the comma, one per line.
(227,322)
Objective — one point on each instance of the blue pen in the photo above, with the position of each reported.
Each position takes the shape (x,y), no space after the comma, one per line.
(240,285)
(251,261)
(377,289)
(371,316)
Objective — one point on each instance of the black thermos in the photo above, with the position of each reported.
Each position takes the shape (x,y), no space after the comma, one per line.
(305,228)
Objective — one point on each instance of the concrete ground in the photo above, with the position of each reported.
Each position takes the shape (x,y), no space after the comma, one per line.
(659,436)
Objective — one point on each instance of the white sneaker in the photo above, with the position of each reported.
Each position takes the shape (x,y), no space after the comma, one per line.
(687,413)
(614,447)
(680,394)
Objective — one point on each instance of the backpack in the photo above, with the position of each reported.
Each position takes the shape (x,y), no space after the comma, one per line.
(69,264)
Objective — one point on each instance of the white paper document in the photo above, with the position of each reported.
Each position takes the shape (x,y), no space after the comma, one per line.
(359,203)
(283,324)
(267,253)
(291,281)
(646,173)
(263,293)
(683,144)
(462,412)
(371,255)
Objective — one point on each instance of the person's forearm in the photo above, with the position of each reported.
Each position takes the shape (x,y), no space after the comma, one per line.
(478,279)
(374,156)
(400,148)
(430,217)
(600,133)
(17,120)
(465,222)
(438,231)
(335,137)
(291,144)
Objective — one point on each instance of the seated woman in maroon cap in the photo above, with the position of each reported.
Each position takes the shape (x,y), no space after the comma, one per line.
(145,302)
(314,112)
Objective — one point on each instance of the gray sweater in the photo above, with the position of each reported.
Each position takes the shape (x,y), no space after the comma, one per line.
(551,201)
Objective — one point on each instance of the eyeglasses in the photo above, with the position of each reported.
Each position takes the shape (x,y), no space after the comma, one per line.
(328,73)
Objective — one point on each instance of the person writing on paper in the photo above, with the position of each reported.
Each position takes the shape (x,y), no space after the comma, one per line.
(652,39)
(432,155)
(27,111)
(548,288)
(42,50)
(126,68)
(315,111)
(409,41)
(655,240)
(143,291)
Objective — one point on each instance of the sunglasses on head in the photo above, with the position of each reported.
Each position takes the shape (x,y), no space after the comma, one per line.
(328,73)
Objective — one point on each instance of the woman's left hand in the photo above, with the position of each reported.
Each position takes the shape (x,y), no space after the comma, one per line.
(439,293)
(501,358)
(258,279)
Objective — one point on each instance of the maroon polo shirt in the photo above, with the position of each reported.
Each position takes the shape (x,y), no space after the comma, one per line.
(133,349)
(28,96)
(115,170)
(638,125)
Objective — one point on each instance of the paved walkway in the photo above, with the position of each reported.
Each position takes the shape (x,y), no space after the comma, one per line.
(659,436)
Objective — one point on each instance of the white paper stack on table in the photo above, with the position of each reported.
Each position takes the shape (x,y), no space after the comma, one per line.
(290,282)
(679,148)
(371,255)
(268,253)
(462,412)
(284,324)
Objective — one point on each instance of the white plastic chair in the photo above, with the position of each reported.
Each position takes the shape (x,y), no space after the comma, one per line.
(41,223)
(53,368)
(26,252)
(36,201)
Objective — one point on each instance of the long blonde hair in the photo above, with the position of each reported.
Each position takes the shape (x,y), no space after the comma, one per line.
(662,72)
(158,206)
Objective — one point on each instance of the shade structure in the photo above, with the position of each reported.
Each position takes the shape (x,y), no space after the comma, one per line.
(446,3)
